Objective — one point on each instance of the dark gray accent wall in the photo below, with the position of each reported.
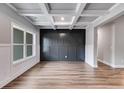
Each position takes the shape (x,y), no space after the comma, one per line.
(62,44)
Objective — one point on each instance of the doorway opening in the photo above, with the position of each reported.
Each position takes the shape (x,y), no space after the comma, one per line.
(104,44)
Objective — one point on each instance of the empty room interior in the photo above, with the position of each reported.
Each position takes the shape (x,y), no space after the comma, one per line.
(61,45)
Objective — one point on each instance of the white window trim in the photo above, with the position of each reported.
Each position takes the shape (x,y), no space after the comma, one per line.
(14,25)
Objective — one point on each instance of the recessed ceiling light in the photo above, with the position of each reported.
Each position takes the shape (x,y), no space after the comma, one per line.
(62,18)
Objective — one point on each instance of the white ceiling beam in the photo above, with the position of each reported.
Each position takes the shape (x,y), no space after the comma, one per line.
(13,8)
(44,7)
(68,12)
(42,27)
(37,13)
(115,12)
(114,6)
(42,23)
(81,27)
(53,13)
(79,10)
(58,27)
(61,27)
(82,23)
(30,12)
(63,23)
(62,13)
(72,13)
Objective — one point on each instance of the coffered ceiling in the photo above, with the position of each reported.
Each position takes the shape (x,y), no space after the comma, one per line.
(61,15)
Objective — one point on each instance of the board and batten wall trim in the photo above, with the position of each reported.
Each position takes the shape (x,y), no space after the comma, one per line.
(5,45)
(8,70)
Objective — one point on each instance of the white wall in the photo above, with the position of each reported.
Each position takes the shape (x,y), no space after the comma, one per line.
(89,46)
(105,37)
(111,43)
(91,33)
(8,70)
(119,42)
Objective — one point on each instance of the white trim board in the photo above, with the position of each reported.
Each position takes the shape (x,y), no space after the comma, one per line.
(112,65)
(107,63)
(5,82)
(5,45)
(118,66)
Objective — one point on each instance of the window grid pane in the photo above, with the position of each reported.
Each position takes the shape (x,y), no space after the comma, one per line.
(29,50)
(29,38)
(22,44)
(18,36)
(17,52)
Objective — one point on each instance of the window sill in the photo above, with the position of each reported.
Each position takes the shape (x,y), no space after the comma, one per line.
(21,60)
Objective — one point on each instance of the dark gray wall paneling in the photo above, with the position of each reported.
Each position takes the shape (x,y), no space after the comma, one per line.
(61,45)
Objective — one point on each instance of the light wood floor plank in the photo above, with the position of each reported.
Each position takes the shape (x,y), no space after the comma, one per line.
(67,75)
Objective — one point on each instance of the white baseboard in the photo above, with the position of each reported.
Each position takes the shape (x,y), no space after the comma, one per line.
(118,66)
(107,63)
(94,66)
(5,82)
(112,65)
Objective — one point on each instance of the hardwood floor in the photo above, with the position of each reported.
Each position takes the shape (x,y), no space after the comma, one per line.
(69,75)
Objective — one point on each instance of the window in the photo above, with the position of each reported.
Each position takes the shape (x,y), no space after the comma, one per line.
(22,44)
(29,44)
(18,46)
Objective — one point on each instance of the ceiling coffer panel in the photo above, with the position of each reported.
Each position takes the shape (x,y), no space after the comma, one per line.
(86,19)
(26,6)
(98,6)
(65,18)
(62,6)
(38,18)
(61,15)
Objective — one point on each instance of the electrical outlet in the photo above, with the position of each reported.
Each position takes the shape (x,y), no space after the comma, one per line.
(66,56)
